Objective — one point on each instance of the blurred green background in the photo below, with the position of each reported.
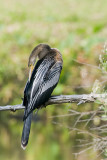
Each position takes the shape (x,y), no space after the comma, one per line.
(78,28)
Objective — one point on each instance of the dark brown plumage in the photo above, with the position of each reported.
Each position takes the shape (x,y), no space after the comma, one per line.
(41,83)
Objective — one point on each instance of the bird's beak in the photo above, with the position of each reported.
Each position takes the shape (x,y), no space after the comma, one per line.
(30,71)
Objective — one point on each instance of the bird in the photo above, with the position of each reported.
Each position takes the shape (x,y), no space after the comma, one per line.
(43,78)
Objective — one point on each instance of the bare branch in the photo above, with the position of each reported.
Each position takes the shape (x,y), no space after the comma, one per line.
(89,65)
(79,99)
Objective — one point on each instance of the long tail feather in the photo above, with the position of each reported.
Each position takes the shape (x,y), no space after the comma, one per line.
(26,131)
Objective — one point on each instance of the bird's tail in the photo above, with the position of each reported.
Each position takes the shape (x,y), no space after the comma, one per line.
(26,131)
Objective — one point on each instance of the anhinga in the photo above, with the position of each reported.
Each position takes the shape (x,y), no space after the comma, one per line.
(43,78)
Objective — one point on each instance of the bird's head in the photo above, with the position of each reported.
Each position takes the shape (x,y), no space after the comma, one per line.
(39,51)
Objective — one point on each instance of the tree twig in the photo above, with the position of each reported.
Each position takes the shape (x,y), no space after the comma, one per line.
(79,99)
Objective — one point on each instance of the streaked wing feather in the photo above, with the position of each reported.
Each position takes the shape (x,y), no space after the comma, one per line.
(38,78)
(46,87)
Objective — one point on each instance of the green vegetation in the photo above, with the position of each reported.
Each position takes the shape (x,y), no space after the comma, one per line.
(78,29)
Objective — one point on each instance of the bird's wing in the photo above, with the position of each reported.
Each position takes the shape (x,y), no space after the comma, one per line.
(28,88)
(47,84)
(37,78)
